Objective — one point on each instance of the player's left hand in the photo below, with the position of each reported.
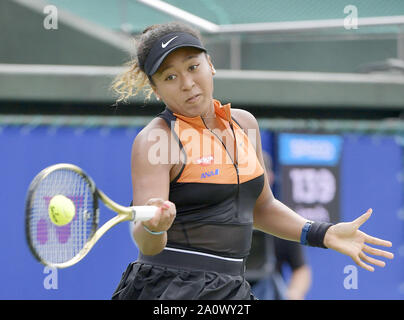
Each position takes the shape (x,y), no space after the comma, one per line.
(346,238)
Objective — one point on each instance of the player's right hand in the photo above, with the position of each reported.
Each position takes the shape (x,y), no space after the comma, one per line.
(163,218)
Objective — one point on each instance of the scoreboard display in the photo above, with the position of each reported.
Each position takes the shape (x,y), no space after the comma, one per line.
(310,174)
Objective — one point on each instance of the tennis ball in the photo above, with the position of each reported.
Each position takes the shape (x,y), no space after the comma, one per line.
(61,210)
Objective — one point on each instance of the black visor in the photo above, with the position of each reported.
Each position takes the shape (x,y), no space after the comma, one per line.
(167,44)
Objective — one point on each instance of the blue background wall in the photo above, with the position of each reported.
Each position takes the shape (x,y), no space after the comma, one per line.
(370,177)
(105,155)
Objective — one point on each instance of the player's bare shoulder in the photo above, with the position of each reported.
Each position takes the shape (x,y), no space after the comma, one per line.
(248,123)
(153,128)
(245,118)
(154,143)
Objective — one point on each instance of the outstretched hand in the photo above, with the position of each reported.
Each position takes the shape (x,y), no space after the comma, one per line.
(346,238)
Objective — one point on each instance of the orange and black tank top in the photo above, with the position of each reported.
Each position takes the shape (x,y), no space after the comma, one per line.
(214,195)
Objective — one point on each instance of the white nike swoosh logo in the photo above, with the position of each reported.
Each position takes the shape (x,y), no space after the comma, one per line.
(163,45)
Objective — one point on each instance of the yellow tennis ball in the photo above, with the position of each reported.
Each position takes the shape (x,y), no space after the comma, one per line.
(61,210)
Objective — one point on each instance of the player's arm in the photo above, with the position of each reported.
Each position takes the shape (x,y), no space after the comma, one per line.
(270,215)
(151,180)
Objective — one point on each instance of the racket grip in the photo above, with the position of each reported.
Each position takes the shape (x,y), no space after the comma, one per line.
(144,213)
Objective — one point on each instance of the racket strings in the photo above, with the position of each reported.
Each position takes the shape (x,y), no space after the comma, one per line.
(58,244)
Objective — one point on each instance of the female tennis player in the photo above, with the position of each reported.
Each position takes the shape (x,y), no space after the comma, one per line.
(201,162)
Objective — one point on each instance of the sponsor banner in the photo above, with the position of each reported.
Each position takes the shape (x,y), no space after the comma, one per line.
(309,149)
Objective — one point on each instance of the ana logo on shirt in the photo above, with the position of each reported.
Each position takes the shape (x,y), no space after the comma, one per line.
(210,173)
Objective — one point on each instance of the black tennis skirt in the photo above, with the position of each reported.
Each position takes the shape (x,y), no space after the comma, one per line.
(183,275)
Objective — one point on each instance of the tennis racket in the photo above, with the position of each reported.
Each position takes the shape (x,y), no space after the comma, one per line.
(63,246)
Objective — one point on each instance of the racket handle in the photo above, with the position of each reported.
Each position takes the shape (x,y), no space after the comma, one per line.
(144,213)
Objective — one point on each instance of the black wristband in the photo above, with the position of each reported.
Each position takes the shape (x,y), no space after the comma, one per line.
(315,236)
